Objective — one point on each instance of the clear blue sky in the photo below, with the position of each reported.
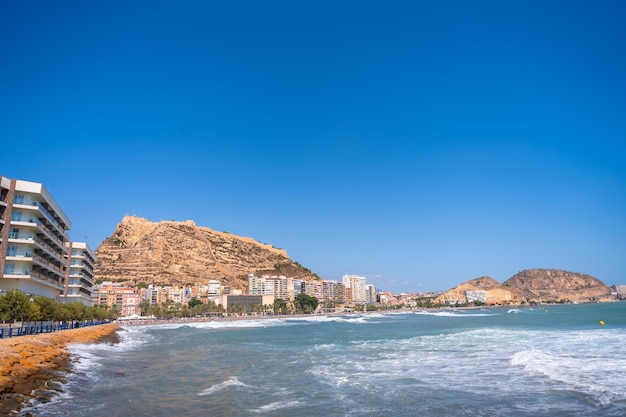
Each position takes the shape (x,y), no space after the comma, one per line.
(420,144)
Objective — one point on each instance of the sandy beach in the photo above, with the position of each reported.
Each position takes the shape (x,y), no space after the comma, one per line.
(28,364)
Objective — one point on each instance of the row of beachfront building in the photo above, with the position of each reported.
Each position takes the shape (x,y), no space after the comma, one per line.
(261,291)
(38,257)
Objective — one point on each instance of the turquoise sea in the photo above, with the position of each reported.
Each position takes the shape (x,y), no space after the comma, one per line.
(528,361)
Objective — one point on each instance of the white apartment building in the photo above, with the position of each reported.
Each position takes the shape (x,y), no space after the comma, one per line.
(356,283)
(33,233)
(78,274)
(214,288)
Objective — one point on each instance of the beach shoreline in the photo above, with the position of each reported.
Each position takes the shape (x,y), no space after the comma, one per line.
(29,363)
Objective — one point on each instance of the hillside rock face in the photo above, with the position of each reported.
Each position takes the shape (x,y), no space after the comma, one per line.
(170,253)
(484,289)
(557,285)
(531,286)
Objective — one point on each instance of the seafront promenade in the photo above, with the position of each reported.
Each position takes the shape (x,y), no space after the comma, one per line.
(26,328)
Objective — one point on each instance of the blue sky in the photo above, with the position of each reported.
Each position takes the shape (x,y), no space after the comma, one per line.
(420,144)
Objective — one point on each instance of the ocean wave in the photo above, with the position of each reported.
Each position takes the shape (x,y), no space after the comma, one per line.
(448,313)
(347,318)
(590,374)
(229,383)
(220,324)
(278,405)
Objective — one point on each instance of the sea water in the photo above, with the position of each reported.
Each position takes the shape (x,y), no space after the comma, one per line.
(529,361)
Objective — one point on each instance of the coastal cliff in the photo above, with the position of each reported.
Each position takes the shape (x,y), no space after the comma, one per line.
(171,253)
(530,286)
(27,363)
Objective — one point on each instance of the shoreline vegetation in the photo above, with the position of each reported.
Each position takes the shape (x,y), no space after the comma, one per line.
(31,366)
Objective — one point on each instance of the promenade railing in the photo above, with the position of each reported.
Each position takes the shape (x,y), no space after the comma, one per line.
(37,327)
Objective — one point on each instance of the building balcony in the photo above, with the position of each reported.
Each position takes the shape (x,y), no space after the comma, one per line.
(22,236)
(36,276)
(51,266)
(30,204)
(20,256)
(44,246)
(42,229)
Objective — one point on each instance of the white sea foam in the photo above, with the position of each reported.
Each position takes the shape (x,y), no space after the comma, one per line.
(278,405)
(223,324)
(448,313)
(344,318)
(231,382)
(594,375)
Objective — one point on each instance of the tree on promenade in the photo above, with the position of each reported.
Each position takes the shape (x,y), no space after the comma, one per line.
(280,306)
(304,303)
(194,302)
(48,308)
(16,305)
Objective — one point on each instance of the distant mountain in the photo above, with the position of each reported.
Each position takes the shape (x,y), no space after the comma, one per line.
(531,285)
(181,253)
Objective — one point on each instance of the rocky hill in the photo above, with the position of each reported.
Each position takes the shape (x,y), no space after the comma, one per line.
(530,286)
(181,253)
(492,293)
(557,285)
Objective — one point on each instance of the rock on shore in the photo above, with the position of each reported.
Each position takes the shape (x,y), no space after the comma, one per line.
(28,363)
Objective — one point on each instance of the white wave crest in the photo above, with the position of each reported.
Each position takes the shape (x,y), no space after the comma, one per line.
(277,406)
(593,375)
(454,314)
(222,324)
(230,382)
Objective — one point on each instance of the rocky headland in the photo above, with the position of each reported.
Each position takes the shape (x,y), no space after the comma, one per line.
(31,365)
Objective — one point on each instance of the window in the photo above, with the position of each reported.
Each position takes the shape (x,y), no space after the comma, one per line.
(18,199)
(12,251)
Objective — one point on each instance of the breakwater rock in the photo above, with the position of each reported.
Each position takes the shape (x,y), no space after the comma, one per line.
(30,365)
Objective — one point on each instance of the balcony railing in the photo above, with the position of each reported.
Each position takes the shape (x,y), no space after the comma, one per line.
(46,213)
(43,244)
(22,254)
(19,199)
(22,236)
(44,262)
(42,277)
(23,272)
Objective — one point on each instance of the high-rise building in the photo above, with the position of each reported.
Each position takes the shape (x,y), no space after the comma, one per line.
(356,284)
(33,233)
(78,274)
(370,292)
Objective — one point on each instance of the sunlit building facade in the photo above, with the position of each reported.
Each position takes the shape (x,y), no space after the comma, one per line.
(79,277)
(33,236)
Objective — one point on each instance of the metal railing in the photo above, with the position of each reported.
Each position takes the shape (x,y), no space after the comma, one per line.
(37,327)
